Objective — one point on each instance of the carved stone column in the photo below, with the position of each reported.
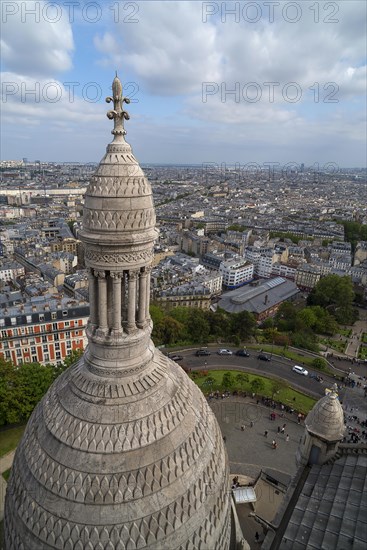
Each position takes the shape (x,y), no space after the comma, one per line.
(116,301)
(142,298)
(92,298)
(131,307)
(148,270)
(102,300)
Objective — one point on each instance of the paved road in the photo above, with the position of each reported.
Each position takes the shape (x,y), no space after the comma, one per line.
(277,367)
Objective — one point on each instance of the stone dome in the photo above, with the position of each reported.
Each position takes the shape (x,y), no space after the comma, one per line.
(326,418)
(123,452)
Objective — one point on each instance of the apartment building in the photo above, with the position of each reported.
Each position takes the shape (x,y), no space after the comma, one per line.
(236,273)
(307,276)
(42,332)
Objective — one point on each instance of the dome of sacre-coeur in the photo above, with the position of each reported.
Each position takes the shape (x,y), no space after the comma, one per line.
(123,452)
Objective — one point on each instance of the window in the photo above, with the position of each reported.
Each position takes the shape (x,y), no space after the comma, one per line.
(65,313)
(53,315)
(29,318)
(42,318)
(33,350)
(46,357)
(45,347)
(67,324)
(57,345)
(7,354)
(13,320)
(58,355)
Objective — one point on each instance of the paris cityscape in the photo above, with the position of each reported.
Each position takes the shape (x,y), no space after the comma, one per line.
(183,282)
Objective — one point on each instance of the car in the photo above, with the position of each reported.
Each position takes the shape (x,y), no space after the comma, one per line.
(300,370)
(263,357)
(175,357)
(225,352)
(242,353)
(201,352)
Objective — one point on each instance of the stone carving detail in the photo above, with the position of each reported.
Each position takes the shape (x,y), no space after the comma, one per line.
(110,220)
(105,186)
(115,438)
(119,388)
(126,258)
(119,487)
(59,533)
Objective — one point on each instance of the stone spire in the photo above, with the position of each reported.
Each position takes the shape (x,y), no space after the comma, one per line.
(324,429)
(123,452)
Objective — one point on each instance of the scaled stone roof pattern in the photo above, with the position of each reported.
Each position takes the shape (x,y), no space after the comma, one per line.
(326,419)
(331,512)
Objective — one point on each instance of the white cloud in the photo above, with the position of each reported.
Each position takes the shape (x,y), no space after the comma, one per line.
(173,51)
(36,44)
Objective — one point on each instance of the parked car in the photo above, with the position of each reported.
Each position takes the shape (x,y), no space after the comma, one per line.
(242,353)
(263,357)
(175,357)
(225,352)
(300,370)
(201,352)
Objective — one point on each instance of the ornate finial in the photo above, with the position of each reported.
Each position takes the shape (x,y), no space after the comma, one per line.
(118,114)
(334,390)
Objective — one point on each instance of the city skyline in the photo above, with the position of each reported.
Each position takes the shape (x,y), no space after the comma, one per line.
(233,83)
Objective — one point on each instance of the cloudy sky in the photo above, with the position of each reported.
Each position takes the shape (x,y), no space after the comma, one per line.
(221,82)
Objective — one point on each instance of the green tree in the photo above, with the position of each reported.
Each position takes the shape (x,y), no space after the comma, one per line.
(171,330)
(335,294)
(286,316)
(243,324)
(277,386)
(227,380)
(242,379)
(319,363)
(198,326)
(257,385)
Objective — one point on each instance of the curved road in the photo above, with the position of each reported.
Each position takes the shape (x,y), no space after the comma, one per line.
(278,367)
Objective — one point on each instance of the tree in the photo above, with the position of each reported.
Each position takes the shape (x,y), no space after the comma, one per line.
(172,331)
(277,386)
(198,326)
(257,385)
(319,363)
(242,379)
(336,295)
(243,324)
(227,380)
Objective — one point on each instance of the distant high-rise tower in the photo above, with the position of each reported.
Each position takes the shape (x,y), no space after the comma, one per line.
(123,452)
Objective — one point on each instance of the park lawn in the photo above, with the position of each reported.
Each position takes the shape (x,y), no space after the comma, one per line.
(9,439)
(298,358)
(364,337)
(287,395)
(338,345)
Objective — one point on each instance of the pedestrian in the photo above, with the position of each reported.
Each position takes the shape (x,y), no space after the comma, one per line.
(257,536)
(278,429)
(287,438)
(242,428)
(273,444)
(282,430)
(266,433)
(224,438)
(251,424)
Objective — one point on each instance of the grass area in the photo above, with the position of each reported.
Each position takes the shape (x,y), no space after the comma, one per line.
(286,395)
(6,474)
(345,332)
(298,358)
(364,338)
(9,439)
(338,345)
